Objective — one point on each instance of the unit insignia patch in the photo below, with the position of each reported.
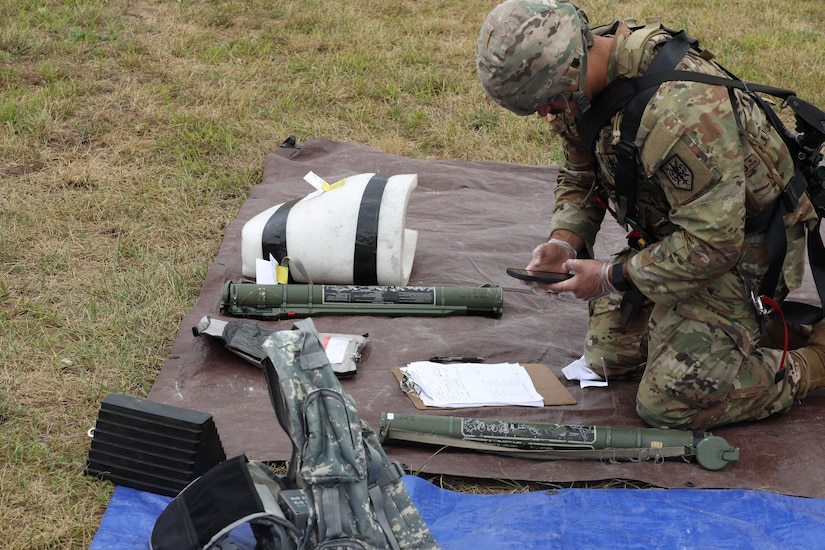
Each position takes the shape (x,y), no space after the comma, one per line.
(679,174)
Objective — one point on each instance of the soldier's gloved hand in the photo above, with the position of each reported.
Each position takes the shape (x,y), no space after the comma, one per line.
(549,256)
(590,280)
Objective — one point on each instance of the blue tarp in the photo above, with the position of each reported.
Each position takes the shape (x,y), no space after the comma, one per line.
(567,518)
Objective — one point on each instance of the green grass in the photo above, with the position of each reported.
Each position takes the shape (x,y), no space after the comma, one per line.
(132,131)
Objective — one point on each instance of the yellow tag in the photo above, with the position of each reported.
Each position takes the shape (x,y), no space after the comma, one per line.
(656,445)
(282,274)
(328,187)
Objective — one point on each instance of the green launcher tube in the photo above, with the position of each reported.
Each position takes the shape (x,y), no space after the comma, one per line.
(553,441)
(241,299)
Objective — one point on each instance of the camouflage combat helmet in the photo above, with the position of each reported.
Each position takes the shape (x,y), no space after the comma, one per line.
(530,51)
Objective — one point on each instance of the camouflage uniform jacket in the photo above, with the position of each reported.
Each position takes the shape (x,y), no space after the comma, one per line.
(698,179)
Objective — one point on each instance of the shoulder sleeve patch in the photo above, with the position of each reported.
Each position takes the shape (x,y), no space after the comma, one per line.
(679,173)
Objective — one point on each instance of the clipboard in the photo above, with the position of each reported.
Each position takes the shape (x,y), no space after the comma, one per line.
(545,382)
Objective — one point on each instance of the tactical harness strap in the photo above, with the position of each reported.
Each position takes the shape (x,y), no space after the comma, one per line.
(668,56)
(633,94)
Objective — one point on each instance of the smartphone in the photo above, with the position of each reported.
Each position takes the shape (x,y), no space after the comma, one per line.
(538,276)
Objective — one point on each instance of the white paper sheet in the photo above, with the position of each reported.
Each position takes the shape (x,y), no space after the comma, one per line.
(265,271)
(456,385)
(578,370)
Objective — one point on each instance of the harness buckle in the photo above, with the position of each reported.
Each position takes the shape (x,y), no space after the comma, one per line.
(626,149)
(761,310)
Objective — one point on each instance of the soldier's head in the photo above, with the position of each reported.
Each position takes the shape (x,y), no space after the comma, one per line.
(530,52)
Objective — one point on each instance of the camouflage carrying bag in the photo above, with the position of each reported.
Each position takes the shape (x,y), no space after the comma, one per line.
(353,492)
(341,491)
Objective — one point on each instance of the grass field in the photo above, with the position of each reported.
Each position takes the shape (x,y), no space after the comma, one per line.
(131,131)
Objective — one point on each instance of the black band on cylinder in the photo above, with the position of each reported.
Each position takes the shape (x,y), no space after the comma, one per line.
(365,260)
(273,238)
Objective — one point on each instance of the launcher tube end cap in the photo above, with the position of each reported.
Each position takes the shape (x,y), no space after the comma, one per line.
(714,453)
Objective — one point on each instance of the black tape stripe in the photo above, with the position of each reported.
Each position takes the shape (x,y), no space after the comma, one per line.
(365,260)
(273,239)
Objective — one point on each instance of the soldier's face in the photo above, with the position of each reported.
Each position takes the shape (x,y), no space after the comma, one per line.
(557,107)
(559,104)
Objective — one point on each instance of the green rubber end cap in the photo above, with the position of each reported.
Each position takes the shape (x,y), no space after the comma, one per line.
(714,453)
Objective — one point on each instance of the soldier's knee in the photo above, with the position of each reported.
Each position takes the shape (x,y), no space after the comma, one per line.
(653,419)
(660,412)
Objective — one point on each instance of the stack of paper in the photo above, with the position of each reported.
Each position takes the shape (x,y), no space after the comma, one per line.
(456,385)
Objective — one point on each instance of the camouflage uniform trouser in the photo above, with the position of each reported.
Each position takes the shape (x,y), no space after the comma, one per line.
(698,360)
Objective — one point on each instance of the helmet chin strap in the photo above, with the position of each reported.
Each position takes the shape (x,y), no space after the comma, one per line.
(575,98)
(578,97)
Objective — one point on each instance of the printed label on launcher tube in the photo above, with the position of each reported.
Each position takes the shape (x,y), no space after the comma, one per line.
(350,294)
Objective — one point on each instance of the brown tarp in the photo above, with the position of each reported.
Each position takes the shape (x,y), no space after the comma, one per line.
(474,219)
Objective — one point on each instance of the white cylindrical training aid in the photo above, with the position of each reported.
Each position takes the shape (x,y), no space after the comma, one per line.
(352,234)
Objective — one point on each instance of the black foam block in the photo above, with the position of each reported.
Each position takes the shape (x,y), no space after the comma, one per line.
(150,446)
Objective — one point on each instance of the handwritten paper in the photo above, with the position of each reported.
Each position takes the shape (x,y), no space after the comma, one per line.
(457,385)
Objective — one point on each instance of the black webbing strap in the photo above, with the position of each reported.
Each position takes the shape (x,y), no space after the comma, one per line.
(631,303)
(280,406)
(776,241)
(365,260)
(670,53)
(273,238)
(626,180)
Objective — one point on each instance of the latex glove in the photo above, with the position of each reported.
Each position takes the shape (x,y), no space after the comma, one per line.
(590,280)
(550,256)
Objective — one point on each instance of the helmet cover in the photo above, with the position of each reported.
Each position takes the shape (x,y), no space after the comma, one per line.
(529,51)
